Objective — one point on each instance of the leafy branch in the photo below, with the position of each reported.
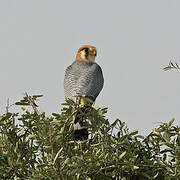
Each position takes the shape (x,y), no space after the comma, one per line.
(33,146)
(171,65)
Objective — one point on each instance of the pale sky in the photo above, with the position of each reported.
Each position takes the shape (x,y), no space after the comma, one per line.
(135,40)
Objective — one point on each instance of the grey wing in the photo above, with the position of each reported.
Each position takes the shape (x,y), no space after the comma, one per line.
(91,83)
(70,82)
(83,80)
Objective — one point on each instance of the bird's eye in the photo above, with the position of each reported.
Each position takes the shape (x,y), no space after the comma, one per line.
(85,50)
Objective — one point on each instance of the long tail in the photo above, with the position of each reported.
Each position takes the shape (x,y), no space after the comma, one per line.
(80,125)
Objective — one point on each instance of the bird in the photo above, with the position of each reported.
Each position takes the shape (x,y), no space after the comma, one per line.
(84,77)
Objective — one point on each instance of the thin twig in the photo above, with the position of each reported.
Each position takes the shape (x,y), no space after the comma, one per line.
(7,106)
(32,103)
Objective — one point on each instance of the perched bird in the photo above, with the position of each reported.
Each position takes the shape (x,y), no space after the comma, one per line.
(83,77)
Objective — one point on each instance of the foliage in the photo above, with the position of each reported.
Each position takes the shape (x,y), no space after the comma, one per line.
(172,65)
(36,146)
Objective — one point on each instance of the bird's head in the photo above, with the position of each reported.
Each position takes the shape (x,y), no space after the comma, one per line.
(86,53)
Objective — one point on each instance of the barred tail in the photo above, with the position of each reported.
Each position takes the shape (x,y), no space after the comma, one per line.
(80,126)
(81,135)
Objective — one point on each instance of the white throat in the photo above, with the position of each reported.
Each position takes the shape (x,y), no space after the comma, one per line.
(91,58)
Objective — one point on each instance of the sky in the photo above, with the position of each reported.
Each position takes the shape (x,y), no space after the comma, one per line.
(135,40)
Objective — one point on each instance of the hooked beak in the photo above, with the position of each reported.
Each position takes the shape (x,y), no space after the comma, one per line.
(93,52)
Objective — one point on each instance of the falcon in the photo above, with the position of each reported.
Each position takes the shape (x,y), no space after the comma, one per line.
(83,77)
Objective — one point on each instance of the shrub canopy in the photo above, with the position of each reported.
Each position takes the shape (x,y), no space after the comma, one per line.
(36,146)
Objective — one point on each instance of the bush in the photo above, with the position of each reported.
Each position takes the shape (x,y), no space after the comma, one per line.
(36,146)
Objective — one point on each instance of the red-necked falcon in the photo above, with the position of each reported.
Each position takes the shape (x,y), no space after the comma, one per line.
(83,77)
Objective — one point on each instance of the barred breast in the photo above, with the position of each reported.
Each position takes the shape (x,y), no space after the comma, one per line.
(83,78)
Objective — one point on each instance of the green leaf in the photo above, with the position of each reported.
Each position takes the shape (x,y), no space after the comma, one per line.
(170,122)
(36,96)
(135,167)
(88,178)
(166,137)
(133,133)
(167,68)
(122,155)
(22,103)
(57,155)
